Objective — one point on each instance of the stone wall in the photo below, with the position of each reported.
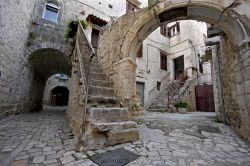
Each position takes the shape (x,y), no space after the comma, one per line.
(117,65)
(15,75)
(235,84)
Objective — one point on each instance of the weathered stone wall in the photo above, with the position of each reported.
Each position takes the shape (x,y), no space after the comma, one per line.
(235,77)
(15,18)
(76,103)
(117,65)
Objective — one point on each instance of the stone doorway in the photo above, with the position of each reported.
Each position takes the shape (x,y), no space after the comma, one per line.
(204,98)
(140,87)
(59,96)
(178,67)
(44,63)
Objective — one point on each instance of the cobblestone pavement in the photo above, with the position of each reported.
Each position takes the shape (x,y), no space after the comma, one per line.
(165,139)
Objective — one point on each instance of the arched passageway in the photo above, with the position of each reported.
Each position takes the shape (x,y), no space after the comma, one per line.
(117,51)
(44,63)
(59,96)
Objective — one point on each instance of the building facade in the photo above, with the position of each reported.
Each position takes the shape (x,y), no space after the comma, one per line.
(168,52)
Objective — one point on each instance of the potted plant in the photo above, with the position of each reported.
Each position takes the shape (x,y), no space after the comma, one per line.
(181,106)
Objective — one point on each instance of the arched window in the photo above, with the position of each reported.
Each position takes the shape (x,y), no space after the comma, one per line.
(51,12)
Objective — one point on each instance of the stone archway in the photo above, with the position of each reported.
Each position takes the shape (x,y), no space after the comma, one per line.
(44,63)
(59,96)
(117,51)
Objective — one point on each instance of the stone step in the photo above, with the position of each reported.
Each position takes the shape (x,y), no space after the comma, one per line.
(97,76)
(113,126)
(102,83)
(118,132)
(106,115)
(122,136)
(100,101)
(158,107)
(101,91)
(96,65)
(96,70)
(157,110)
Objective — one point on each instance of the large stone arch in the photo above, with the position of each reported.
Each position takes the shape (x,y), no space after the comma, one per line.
(121,40)
(44,61)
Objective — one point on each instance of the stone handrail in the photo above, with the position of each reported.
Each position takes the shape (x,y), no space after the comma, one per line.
(84,54)
(165,79)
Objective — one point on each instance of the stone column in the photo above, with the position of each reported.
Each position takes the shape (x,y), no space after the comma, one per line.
(123,76)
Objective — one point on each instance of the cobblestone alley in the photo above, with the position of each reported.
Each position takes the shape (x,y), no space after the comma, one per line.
(165,139)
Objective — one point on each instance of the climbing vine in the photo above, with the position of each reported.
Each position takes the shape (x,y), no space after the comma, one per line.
(71,29)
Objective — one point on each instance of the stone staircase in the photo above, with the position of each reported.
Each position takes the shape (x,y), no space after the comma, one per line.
(107,123)
(171,93)
(96,115)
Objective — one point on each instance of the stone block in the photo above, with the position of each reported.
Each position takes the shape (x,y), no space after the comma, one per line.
(107,114)
(118,137)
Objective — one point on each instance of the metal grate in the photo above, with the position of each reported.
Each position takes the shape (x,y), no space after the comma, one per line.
(117,157)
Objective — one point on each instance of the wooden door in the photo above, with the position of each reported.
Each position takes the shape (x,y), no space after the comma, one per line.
(205,98)
(140,86)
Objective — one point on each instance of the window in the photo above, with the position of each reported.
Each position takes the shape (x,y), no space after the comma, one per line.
(51,12)
(174,30)
(164,30)
(139,53)
(163,61)
(200,64)
(158,86)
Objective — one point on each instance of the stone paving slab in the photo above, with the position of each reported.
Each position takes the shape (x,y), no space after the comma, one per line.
(44,138)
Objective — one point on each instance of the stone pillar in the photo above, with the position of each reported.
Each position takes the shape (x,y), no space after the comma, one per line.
(36,94)
(123,76)
(243,88)
(217,87)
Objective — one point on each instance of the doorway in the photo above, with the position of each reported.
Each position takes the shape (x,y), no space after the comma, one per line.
(178,67)
(140,87)
(205,98)
(59,96)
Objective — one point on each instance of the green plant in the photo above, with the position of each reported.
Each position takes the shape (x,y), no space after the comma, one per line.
(71,29)
(84,23)
(217,120)
(181,104)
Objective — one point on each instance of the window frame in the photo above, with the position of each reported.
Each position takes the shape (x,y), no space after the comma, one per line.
(158,85)
(175,28)
(164,30)
(54,6)
(163,63)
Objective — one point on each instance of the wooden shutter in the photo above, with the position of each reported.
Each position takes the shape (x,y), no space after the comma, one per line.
(163,61)
(178,27)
